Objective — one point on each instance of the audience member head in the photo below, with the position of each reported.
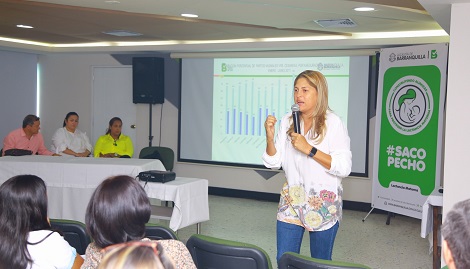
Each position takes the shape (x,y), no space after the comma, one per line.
(70,118)
(31,125)
(118,211)
(456,234)
(23,208)
(29,120)
(115,127)
(135,255)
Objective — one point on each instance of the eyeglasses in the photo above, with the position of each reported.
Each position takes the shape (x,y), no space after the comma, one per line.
(116,247)
(115,144)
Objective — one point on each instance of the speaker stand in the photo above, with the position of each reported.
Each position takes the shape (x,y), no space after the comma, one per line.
(150,125)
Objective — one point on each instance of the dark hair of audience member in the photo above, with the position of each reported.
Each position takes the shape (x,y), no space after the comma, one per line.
(118,211)
(29,120)
(23,208)
(133,256)
(456,231)
(68,116)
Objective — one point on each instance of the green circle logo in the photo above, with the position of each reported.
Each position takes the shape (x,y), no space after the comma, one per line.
(409,105)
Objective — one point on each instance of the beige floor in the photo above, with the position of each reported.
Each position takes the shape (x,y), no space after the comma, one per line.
(372,242)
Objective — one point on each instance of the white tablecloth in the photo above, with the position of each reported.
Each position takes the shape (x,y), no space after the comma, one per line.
(427,224)
(190,196)
(71,181)
(434,199)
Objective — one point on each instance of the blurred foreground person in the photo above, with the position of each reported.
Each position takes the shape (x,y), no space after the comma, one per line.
(26,237)
(456,234)
(135,255)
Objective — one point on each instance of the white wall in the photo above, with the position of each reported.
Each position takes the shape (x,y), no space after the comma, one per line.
(66,86)
(457,145)
(17,89)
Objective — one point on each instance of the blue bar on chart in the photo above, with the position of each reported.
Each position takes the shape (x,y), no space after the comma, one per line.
(247,105)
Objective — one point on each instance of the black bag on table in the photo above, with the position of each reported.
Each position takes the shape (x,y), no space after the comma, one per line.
(18,152)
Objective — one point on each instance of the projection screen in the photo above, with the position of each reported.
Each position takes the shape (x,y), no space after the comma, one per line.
(224,102)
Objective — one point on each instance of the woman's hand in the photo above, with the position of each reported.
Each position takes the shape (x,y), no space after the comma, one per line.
(109,155)
(300,143)
(269,126)
(83,154)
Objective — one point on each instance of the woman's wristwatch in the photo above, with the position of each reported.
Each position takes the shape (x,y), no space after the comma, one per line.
(313,151)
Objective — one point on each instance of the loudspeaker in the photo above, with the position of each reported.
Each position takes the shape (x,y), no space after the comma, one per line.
(148,80)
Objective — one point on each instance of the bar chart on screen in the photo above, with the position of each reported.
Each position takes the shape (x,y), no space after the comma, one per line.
(242,107)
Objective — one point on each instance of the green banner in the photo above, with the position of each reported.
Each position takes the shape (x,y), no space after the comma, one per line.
(409,131)
(409,127)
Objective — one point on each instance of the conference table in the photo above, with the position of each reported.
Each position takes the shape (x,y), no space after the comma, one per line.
(71,181)
(190,198)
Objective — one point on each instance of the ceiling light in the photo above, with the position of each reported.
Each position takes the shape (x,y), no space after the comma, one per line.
(400,34)
(189,15)
(83,45)
(24,26)
(24,42)
(112,2)
(122,33)
(364,9)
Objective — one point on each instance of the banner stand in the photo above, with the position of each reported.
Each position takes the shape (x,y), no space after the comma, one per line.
(364,219)
(409,128)
(389,215)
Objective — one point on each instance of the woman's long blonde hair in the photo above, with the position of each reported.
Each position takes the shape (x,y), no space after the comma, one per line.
(318,81)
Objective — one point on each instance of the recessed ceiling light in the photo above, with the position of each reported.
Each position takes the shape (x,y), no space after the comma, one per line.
(112,2)
(24,26)
(364,9)
(189,15)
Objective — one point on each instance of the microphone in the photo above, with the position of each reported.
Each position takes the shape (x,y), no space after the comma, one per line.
(295,115)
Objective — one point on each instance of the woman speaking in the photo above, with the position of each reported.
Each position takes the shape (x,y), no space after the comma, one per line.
(314,160)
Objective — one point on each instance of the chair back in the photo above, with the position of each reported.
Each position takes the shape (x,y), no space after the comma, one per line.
(158,232)
(167,155)
(74,233)
(290,260)
(210,252)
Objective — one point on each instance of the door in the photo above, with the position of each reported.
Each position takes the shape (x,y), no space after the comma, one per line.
(112,97)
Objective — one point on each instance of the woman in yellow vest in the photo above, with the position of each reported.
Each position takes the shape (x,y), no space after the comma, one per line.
(114,144)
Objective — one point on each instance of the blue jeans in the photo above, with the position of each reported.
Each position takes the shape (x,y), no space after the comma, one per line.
(289,238)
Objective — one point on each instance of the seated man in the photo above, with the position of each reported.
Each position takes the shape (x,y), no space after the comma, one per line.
(456,234)
(26,138)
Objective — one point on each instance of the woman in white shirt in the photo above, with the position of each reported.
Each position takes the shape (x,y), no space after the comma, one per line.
(69,140)
(26,238)
(315,161)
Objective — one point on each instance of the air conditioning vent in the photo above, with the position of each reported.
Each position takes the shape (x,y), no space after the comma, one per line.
(336,23)
(122,33)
